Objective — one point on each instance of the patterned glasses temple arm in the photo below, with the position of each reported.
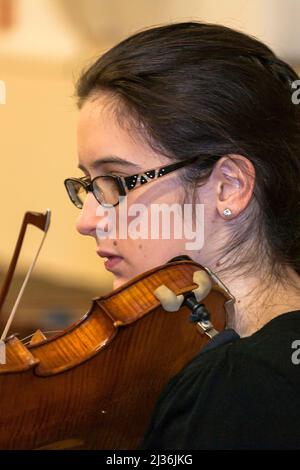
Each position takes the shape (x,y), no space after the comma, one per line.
(138,179)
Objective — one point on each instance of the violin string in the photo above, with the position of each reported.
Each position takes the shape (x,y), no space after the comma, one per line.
(13,312)
(52,331)
(32,334)
(27,337)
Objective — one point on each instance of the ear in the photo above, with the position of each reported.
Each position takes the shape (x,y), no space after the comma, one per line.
(234,176)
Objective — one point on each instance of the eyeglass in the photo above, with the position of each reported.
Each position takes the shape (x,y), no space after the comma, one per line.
(108,189)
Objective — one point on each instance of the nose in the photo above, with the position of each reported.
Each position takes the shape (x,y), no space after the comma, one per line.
(87,221)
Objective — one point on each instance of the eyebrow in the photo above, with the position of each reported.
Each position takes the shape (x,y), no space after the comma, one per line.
(110,159)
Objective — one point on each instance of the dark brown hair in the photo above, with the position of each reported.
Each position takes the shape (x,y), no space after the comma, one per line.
(194,89)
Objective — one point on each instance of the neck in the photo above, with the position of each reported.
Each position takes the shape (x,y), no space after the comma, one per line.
(258,302)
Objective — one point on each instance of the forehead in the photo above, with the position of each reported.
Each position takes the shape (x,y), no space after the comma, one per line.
(100,134)
(97,116)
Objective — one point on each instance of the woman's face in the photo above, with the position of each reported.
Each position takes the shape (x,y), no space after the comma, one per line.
(100,141)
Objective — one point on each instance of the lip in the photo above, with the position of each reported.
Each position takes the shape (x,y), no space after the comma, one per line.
(112,259)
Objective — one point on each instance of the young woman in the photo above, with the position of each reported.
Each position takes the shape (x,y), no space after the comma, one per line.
(212,110)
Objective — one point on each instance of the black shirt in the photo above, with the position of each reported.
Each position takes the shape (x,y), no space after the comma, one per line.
(244,394)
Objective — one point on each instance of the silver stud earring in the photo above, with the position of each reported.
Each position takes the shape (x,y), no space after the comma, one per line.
(227,212)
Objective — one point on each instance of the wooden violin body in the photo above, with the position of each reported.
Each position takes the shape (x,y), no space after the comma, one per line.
(94,385)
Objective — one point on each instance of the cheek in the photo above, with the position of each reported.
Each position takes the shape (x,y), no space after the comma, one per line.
(142,255)
(152,235)
(160,220)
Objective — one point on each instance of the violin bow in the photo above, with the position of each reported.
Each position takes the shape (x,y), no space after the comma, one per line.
(41,221)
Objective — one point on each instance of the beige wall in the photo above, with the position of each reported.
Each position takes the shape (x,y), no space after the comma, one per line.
(38,150)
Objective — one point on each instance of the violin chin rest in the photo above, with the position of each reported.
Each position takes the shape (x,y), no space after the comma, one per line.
(180,258)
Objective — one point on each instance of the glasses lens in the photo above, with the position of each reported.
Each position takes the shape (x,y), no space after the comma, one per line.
(76,192)
(106,190)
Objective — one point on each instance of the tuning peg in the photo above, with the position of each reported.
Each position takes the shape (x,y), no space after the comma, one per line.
(204,284)
(168,299)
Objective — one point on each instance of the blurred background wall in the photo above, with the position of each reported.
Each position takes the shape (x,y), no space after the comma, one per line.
(43,46)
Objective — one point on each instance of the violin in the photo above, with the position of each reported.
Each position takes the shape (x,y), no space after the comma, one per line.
(94,385)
